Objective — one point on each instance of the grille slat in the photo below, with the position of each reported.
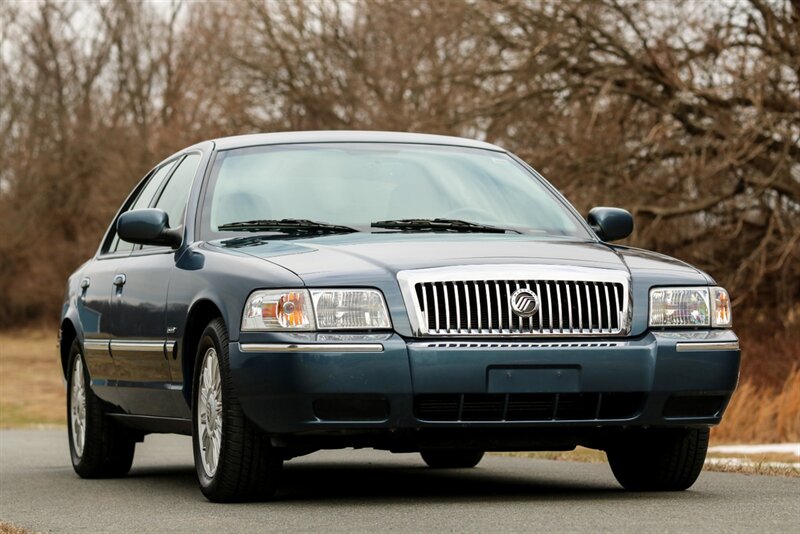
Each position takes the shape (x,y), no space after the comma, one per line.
(560,316)
(599,307)
(483,307)
(530,319)
(588,308)
(507,286)
(458,308)
(436,306)
(446,308)
(499,305)
(489,306)
(569,307)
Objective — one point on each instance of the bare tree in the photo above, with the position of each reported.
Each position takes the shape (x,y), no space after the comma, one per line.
(686,113)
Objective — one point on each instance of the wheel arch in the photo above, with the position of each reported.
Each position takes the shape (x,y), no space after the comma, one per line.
(200,314)
(67,335)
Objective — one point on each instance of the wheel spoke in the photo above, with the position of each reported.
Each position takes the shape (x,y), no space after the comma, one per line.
(78,406)
(205,438)
(209,412)
(210,456)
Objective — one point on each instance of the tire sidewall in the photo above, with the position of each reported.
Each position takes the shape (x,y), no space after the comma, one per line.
(74,354)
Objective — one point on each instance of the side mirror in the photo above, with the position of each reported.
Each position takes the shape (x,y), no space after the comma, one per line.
(610,224)
(148,227)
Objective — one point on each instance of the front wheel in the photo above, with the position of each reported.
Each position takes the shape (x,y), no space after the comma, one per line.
(451,458)
(656,459)
(233,459)
(99,448)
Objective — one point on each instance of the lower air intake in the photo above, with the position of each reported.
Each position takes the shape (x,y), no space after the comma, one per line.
(528,406)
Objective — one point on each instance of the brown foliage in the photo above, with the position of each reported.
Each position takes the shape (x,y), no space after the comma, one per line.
(763,415)
(688,117)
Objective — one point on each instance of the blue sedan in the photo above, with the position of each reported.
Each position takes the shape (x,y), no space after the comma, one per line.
(272,295)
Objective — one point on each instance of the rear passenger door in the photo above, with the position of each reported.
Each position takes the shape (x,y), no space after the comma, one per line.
(139,337)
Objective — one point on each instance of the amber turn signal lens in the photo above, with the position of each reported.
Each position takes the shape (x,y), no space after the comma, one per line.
(278,309)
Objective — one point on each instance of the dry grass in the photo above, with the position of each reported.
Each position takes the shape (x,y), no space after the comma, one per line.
(762,414)
(580,454)
(770,352)
(754,468)
(770,464)
(32,389)
(766,405)
(8,528)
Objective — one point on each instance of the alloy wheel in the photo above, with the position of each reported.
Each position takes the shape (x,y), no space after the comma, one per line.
(78,407)
(209,412)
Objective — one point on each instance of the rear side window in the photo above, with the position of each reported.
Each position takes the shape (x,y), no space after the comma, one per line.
(144,200)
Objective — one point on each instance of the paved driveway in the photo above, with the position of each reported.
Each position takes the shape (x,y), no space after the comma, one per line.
(371,491)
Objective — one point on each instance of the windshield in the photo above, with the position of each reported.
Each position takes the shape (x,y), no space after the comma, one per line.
(361,184)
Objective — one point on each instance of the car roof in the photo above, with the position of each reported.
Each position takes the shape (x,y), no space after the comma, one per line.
(347,136)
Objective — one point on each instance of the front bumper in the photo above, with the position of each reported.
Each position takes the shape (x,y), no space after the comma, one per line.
(306,384)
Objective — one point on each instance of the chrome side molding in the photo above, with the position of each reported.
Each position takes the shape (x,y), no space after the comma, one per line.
(137,346)
(110,346)
(311,347)
(704,346)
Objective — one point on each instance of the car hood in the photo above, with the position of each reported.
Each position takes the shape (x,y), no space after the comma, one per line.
(364,258)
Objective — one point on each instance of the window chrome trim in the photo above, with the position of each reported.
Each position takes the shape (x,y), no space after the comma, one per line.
(695,346)
(311,347)
(504,272)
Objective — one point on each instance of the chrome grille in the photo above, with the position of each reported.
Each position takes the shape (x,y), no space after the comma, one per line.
(470,301)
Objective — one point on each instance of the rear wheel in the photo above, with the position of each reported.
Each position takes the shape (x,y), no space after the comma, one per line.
(659,459)
(233,459)
(451,458)
(99,447)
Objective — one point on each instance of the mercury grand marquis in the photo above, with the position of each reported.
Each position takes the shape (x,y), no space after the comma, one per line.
(272,295)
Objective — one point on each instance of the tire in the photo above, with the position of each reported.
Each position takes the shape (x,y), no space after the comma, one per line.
(659,459)
(245,466)
(103,449)
(451,458)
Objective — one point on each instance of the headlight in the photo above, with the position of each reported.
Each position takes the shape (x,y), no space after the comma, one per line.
(689,307)
(324,309)
(349,309)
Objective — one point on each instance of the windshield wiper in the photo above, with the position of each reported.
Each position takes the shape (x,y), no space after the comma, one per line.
(445,225)
(303,226)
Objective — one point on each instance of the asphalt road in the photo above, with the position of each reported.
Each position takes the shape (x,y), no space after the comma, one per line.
(371,491)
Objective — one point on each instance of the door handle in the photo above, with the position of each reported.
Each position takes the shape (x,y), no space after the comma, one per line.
(119,280)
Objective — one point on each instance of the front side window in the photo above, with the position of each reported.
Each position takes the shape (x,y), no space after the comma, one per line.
(174,196)
(143,200)
(357,184)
